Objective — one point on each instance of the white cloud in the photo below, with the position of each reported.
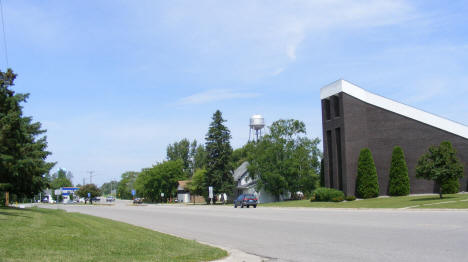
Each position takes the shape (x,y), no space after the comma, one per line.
(278,71)
(254,38)
(216,95)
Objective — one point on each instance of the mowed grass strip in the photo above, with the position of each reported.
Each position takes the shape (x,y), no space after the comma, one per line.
(54,235)
(427,201)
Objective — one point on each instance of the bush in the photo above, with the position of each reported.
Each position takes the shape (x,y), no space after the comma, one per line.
(399,179)
(367,182)
(337,199)
(326,194)
(350,198)
(451,186)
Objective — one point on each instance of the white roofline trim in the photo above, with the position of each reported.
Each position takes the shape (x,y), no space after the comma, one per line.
(393,106)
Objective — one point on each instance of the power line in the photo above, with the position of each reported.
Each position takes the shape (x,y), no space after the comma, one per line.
(4,34)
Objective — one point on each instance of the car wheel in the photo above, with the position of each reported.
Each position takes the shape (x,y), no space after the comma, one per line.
(242,205)
(248,206)
(255,206)
(235,206)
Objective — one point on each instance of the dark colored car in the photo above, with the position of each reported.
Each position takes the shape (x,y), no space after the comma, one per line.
(96,199)
(137,200)
(246,200)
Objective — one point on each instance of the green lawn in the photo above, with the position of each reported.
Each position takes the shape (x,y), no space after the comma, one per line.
(430,201)
(53,235)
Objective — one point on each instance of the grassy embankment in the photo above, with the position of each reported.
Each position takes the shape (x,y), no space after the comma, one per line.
(458,201)
(54,235)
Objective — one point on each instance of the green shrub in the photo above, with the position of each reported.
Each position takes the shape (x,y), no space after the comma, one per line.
(367,182)
(327,194)
(337,199)
(451,186)
(399,180)
(350,198)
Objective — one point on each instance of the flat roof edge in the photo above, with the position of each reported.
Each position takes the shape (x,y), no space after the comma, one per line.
(393,106)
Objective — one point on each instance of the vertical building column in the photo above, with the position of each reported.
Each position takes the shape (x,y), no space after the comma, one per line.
(330,173)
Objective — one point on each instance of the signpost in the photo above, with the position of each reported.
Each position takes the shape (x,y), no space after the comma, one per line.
(210,194)
(58,192)
(133,193)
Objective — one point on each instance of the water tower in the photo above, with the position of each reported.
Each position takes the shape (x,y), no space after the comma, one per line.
(257,123)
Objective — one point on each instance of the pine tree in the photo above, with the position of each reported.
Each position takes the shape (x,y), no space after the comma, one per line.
(367,183)
(218,156)
(399,180)
(22,150)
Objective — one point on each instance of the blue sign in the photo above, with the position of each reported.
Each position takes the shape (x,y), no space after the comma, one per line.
(133,192)
(89,194)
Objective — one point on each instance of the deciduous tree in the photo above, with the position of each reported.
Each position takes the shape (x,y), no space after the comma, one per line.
(197,185)
(92,189)
(441,165)
(285,160)
(161,178)
(61,179)
(125,186)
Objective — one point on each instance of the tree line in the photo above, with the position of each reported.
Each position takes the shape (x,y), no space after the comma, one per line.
(283,161)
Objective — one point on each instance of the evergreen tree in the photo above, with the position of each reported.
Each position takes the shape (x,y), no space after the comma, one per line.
(399,180)
(218,156)
(367,183)
(22,148)
(441,165)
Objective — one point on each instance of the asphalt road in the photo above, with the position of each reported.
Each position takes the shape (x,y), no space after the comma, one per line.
(302,234)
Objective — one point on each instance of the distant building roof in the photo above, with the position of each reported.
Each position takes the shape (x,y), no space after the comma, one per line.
(393,106)
(242,169)
(183,183)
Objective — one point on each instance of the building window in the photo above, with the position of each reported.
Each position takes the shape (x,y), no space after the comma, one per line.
(330,158)
(339,160)
(336,105)
(327,109)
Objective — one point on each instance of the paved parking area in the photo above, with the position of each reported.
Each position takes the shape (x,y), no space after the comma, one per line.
(304,234)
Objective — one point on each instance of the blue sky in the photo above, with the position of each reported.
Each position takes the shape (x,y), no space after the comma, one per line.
(114,82)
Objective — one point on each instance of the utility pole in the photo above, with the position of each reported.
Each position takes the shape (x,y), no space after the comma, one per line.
(91,172)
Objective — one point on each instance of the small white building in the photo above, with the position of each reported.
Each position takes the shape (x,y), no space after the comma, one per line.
(183,194)
(246,185)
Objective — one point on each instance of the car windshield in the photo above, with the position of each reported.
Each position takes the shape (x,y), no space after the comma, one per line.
(249,196)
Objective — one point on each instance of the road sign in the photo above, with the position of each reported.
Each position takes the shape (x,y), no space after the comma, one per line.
(133,192)
(89,194)
(210,191)
(162,194)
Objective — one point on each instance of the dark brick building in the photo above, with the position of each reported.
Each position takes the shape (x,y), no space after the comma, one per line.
(353,119)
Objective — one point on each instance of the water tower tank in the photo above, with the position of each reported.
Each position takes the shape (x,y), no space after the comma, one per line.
(257,122)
